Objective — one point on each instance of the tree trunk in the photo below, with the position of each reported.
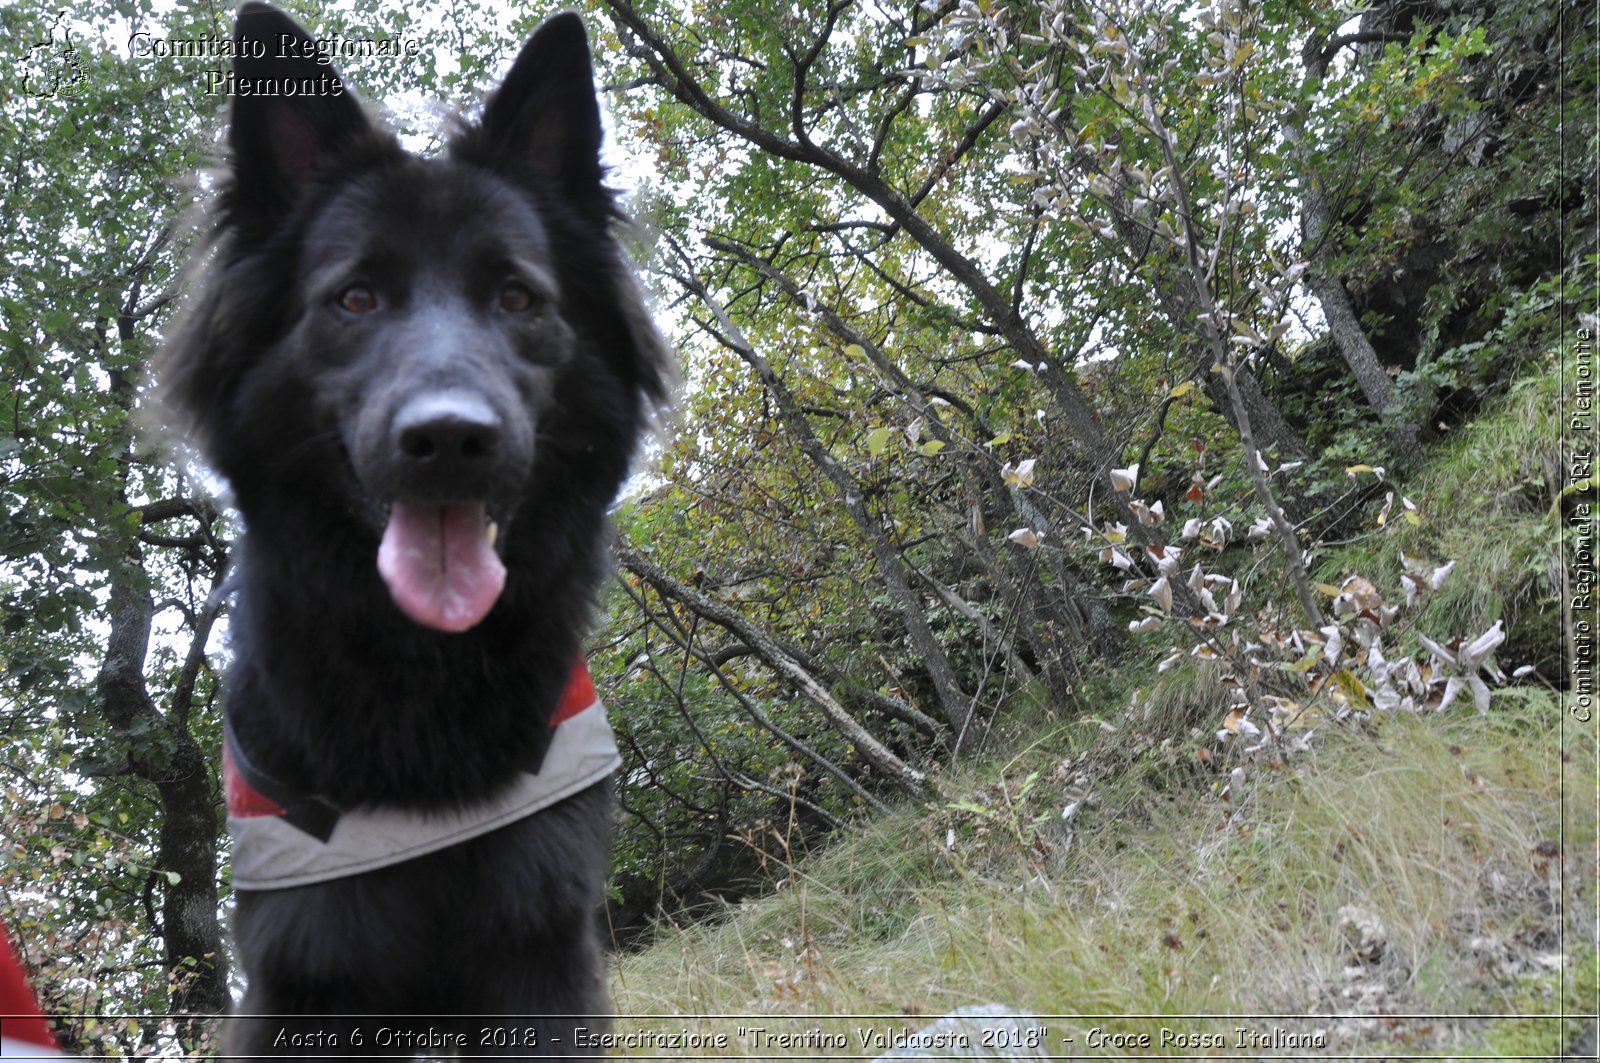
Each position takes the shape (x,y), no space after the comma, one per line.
(1317,224)
(1273,434)
(1355,348)
(168,757)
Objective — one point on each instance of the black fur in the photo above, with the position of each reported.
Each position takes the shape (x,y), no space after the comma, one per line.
(295,398)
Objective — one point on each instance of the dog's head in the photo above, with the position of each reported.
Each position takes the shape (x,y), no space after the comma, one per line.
(437,352)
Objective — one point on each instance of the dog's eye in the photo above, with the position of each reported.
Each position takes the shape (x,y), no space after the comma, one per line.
(358,299)
(517,298)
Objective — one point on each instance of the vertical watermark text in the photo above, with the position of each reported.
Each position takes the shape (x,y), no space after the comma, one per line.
(1579,517)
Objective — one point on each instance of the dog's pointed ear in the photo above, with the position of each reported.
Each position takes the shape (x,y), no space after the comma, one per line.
(543,120)
(278,135)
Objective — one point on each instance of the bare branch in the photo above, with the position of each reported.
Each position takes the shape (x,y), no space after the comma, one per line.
(902,775)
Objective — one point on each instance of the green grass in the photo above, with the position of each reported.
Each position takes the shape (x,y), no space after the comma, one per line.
(1435,826)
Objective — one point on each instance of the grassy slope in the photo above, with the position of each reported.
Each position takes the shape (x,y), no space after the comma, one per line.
(1464,843)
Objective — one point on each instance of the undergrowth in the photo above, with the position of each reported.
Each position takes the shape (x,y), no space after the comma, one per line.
(1486,497)
(1409,873)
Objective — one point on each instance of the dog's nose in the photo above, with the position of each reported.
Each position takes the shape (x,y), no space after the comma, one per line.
(447,435)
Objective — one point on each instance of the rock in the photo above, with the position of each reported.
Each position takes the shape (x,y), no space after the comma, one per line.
(1364,934)
(979,1032)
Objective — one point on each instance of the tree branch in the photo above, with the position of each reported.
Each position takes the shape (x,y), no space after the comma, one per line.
(902,775)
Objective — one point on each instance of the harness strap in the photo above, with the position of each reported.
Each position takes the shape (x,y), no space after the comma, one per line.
(252,792)
(283,840)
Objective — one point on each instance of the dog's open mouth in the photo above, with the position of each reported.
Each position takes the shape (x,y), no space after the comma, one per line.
(440,563)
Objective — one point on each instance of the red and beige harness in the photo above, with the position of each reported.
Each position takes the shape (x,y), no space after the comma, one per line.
(282,838)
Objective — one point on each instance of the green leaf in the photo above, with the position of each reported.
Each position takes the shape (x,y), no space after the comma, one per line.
(1306,663)
(1352,688)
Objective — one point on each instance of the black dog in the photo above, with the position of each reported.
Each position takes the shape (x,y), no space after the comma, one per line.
(424,380)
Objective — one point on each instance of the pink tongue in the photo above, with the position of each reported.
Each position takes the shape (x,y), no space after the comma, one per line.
(438,563)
